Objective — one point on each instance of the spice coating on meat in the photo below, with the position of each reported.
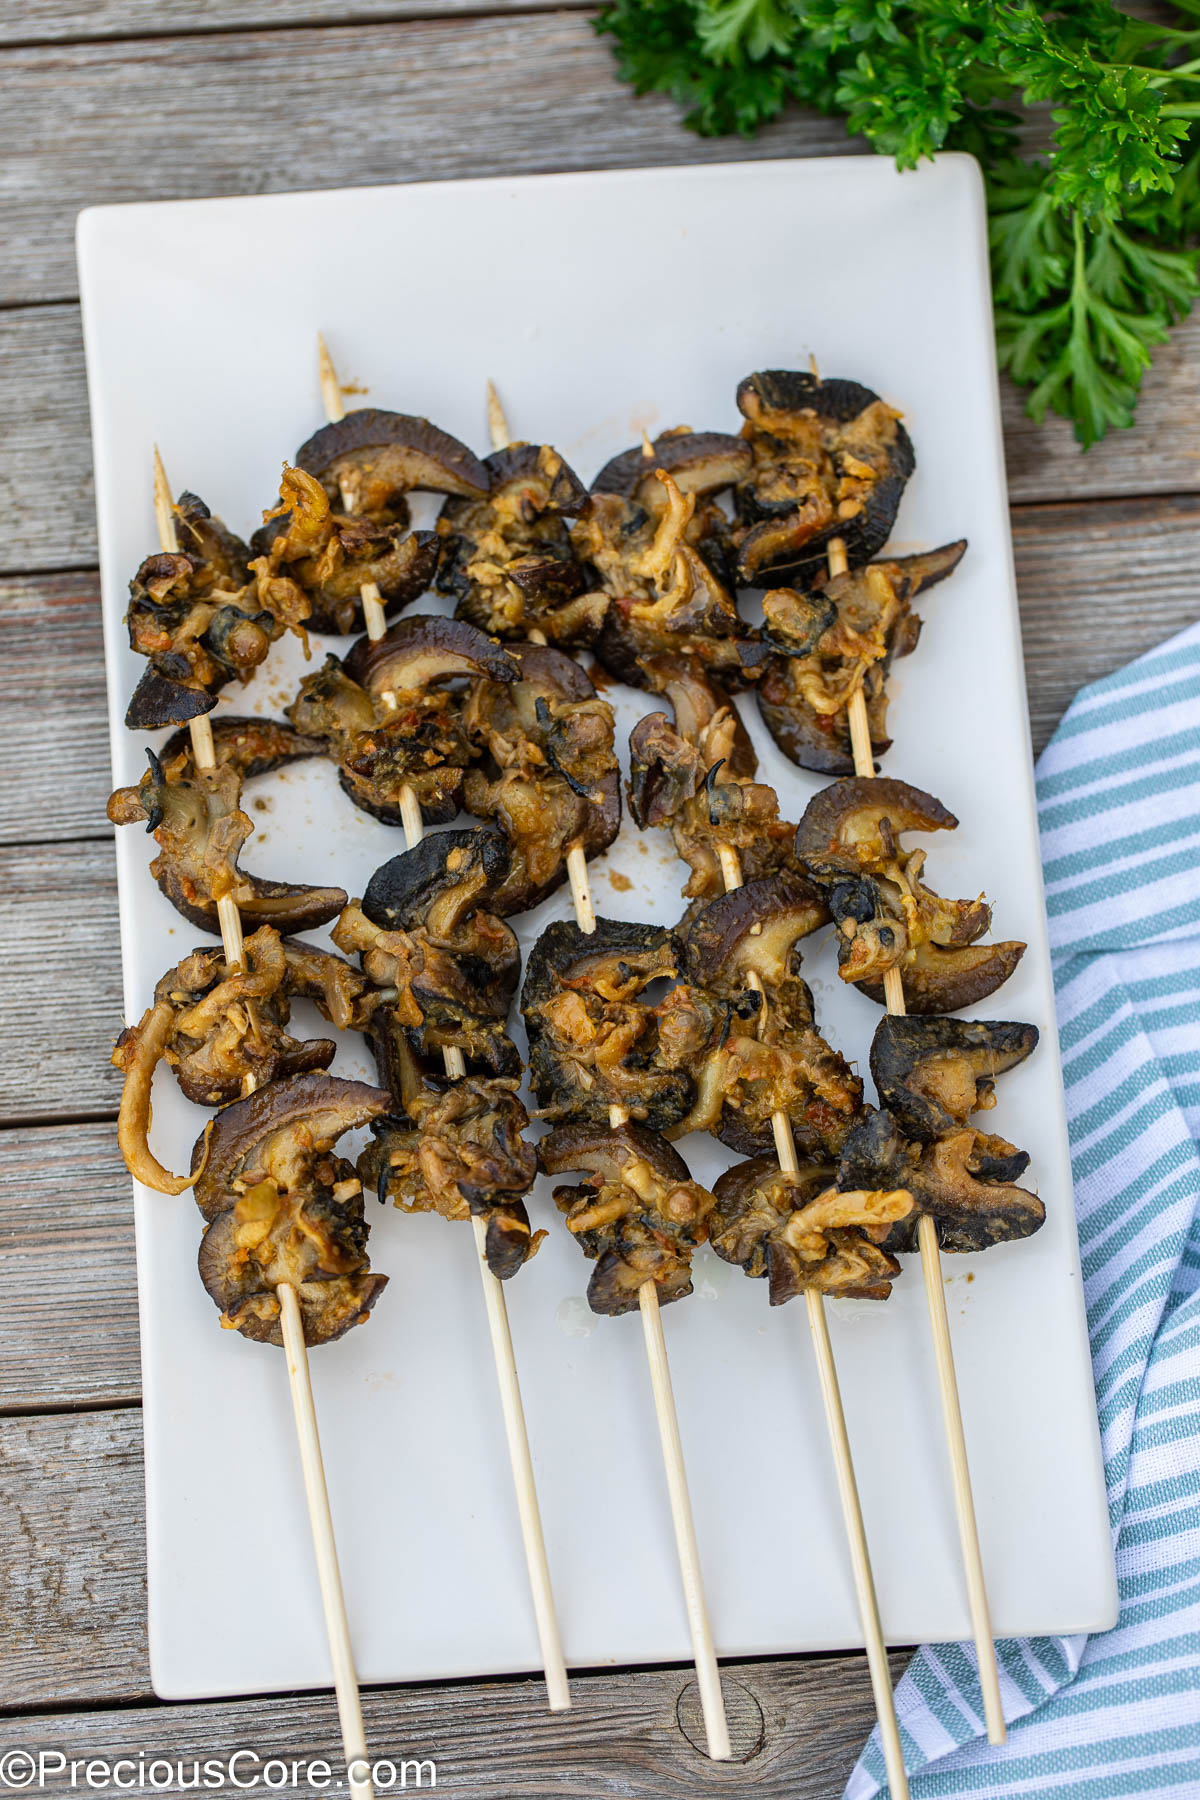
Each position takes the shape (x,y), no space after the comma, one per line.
(459,1151)
(838,641)
(637,1213)
(800,1233)
(281,1207)
(549,777)
(831,459)
(197,822)
(849,840)
(507,558)
(593,1041)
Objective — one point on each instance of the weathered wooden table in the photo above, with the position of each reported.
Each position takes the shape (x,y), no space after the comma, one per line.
(154,99)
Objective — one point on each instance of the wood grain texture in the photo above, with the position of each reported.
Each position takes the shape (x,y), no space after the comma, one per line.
(72,1632)
(43,399)
(1099,585)
(60,981)
(67,1276)
(53,714)
(261,112)
(44,21)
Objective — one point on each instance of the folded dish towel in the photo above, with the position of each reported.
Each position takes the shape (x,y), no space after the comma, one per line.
(1117,1714)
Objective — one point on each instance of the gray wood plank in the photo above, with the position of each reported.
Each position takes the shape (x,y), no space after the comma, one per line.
(72,1631)
(50,519)
(796,1728)
(67,1278)
(44,21)
(60,981)
(53,719)
(280,110)
(1098,586)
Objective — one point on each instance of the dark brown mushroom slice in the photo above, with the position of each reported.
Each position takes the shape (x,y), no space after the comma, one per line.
(944,1179)
(281,1207)
(507,558)
(219,1029)
(203,535)
(752,931)
(840,830)
(933,1073)
(638,1214)
(426,931)
(795,1230)
(373,458)
(248,744)
(549,777)
(700,462)
(592,1039)
(161,698)
(265,1130)
(941,980)
(423,649)
(199,828)
(844,635)
(830,460)
(460,1152)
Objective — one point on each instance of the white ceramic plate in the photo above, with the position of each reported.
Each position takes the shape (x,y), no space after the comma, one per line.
(600,304)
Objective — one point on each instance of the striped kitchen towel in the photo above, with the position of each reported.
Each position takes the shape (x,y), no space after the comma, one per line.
(1116,1714)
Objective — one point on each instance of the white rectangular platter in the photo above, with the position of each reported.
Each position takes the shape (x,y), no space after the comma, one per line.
(599,303)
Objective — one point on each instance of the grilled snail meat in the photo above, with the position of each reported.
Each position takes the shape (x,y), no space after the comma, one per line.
(799,1232)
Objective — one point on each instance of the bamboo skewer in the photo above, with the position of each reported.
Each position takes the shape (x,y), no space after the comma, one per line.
(708,1679)
(333,1600)
(939,1324)
(577,869)
(496,1306)
(839,1439)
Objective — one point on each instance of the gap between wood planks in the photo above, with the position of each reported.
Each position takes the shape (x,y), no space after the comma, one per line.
(315,17)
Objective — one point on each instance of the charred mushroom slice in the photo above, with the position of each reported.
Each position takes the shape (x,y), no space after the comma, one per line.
(835,642)
(193,613)
(932,1074)
(249,745)
(696,777)
(444,965)
(593,1040)
(831,459)
(637,1214)
(199,827)
(507,557)
(550,777)
(744,1024)
(661,592)
(955,1180)
(849,840)
(219,1028)
(460,1151)
(314,563)
(390,718)
(703,463)
(799,1232)
(281,1207)
(368,461)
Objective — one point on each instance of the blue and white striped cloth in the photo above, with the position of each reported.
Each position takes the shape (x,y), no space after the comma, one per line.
(1102,1717)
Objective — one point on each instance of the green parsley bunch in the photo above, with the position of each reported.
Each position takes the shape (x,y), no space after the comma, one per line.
(1092,242)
